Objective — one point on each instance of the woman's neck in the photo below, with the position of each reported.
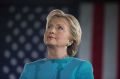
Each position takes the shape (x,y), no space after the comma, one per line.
(55,52)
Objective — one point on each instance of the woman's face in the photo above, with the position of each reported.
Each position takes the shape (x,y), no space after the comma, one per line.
(57,32)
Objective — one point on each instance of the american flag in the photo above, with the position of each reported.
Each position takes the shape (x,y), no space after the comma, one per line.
(101,38)
(22,28)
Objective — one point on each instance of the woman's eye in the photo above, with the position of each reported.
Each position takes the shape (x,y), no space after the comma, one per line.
(60,27)
(49,26)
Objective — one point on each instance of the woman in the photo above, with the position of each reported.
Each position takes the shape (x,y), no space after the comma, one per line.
(62,37)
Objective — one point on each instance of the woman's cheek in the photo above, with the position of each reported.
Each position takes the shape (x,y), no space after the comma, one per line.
(61,37)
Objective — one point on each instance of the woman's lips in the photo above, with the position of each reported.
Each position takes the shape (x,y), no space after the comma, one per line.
(51,37)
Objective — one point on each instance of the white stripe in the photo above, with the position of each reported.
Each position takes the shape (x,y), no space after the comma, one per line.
(86,21)
(110,42)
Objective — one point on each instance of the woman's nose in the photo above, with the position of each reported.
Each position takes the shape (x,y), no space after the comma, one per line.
(52,30)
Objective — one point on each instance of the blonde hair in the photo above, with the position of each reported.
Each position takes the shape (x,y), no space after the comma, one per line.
(75,29)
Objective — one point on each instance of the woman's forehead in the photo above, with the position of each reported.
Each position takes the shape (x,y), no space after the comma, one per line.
(58,19)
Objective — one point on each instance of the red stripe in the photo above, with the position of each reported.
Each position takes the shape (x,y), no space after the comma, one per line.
(97,40)
(118,74)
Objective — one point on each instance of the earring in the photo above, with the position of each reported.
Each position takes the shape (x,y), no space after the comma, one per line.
(69,44)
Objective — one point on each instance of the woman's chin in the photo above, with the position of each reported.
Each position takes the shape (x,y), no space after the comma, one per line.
(50,44)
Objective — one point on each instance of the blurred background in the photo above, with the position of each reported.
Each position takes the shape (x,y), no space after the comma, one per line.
(22,25)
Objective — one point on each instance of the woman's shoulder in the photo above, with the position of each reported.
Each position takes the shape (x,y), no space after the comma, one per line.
(36,62)
(84,65)
(82,61)
(30,67)
(85,69)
